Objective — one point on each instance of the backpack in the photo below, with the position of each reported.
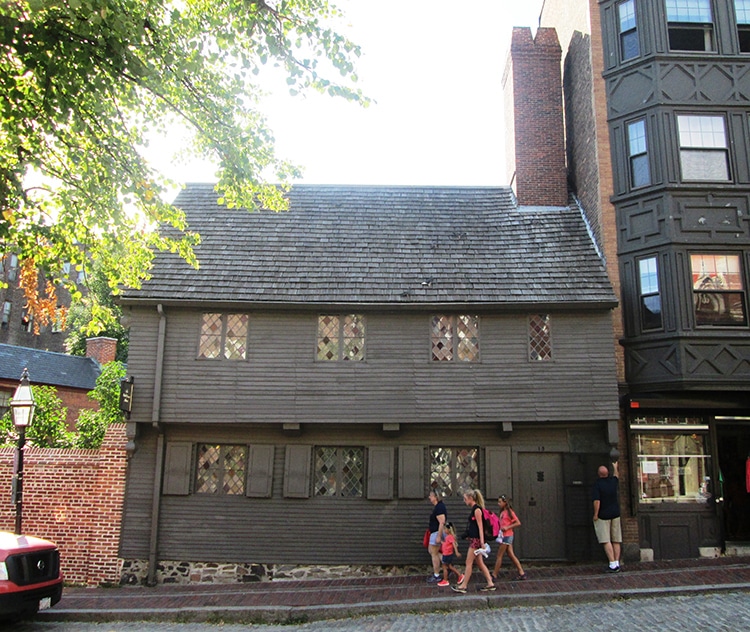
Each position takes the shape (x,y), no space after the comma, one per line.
(491,524)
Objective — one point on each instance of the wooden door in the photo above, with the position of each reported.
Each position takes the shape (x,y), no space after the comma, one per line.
(540,508)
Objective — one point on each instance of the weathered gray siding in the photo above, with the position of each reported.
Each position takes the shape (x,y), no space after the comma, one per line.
(280,382)
(275,530)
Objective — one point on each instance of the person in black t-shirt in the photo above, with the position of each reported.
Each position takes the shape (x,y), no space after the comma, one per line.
(605,495)
(438,519)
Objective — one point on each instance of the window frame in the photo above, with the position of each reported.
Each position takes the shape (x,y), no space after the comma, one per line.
(688,148)
(705,294)
(223,449)
(690,33)
(638,153)
(343,350)
(458,342)
(338,492)
(645,293)
(460,478)
(627,26)
(673,471)
(223,350)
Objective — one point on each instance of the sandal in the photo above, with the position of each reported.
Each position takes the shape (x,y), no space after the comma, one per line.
(488,588)
(519,578)
(458,589)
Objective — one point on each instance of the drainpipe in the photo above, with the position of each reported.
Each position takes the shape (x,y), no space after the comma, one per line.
(159,466)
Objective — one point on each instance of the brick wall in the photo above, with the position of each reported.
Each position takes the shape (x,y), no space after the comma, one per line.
(74,498)
(534,77)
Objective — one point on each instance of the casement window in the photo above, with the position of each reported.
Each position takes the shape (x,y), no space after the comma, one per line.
(629,44)
(339,471)
(649,294)
(673,464)
(5,318)
(220,469)
(455,338)
(742,12)
(640,172)
(340,337)
(223,336)
(704,153)
(540,337)
(690,25)
(454,470)
(718,291)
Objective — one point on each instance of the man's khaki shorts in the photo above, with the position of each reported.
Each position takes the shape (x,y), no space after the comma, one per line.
(608,530)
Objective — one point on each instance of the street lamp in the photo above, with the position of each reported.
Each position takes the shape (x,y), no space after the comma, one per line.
(22,406)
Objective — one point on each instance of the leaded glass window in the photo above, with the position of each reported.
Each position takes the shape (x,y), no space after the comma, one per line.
(455,338)
(221,469)
(339,471)
(454,470)
(341,337)
(540,337)
(223,336)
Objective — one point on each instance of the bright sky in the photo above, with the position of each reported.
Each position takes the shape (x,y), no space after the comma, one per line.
(434,69)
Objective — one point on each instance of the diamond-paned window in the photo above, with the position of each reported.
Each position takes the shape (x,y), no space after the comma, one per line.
(540,337)
(340,337)
(339,471)
(454,470)
(454,338)
(223,336)
(220,469)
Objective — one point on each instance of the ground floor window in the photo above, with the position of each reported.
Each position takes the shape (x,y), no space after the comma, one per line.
(221,469)
(673,464)
(454,470)
(339,471)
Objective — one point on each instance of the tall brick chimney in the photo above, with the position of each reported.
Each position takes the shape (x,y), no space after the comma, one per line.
(535,137)
(102,349)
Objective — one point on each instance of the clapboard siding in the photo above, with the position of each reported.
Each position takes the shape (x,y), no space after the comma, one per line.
(328,530)
(280,382)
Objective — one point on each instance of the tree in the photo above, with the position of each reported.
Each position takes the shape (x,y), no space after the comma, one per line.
(83,83)
(92,424)
(48,428)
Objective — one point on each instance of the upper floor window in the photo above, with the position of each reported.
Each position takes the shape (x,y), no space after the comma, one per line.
(220,469)
(640,172)
(690,25)
(455,338)
(454,470)
(339,471)
(5,398)
(718,292)
(5,320)
(742,11)
(540,337)
(704,152)
(223,336)
(650,296)
(11,267)
(341,337)
(629,45)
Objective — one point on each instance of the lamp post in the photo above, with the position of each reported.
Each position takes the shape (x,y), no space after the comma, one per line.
(22,406)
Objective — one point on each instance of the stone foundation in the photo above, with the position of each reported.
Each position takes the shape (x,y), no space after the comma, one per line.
(135,572)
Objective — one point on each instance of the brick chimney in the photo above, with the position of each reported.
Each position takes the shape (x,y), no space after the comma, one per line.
(102,349)
(535,138)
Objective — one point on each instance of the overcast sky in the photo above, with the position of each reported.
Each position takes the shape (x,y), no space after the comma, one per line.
(434,68)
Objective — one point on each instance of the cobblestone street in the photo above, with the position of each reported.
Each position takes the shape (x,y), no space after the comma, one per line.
(721,612)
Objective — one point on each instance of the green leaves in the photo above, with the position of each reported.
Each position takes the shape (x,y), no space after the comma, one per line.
(84,82)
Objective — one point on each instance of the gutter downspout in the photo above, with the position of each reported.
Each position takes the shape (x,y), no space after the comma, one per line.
(159,466)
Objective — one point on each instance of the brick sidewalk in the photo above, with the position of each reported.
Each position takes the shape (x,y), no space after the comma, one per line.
(297,601)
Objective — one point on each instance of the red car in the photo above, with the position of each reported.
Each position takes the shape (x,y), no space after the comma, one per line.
(30,577)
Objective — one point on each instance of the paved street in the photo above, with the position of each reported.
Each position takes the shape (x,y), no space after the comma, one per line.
(718,612)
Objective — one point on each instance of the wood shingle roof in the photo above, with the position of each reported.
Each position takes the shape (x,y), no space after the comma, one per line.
(383,245)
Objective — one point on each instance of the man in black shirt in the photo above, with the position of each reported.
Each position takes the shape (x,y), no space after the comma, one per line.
(606,497)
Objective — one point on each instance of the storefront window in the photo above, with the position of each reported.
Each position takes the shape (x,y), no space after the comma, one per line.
(672,462)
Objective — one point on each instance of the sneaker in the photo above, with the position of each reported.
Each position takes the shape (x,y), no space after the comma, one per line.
(461,578)
(458,589)
(433,579)
(519,578)
(444,582)
(488,588)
